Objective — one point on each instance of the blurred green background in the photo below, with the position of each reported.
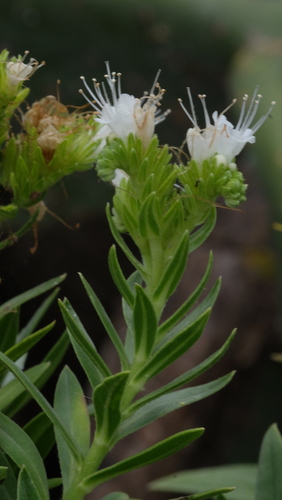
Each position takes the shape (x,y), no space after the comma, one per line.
(222,48)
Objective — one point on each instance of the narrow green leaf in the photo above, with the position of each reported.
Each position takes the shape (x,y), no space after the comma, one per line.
(11,391)
(207,303)
(269,478)
(70,406)
(17,444)
(242,476)
(37,316)
(200,235)
(169,402)
(93,374)
(43,403)
(174,348)
(174,270)
(207,495)
(145,323)
(77,331)
(116,495)
(52,358)
(106,400)
(8,488)
(184,308)
(129,346)
(54,482)
(26,487)
(14,303)
(185,377)
(9,327)
(3,472)
(148,217)
(119,278)
(120,241)
(164,449)
(106,323)
(40,430)
(26,344)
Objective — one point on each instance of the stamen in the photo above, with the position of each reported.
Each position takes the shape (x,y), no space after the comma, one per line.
(186,112)
(245,98)
(203,101)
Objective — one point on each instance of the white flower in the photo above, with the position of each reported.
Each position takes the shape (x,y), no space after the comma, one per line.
(18,71)
(124,114)
(223,138)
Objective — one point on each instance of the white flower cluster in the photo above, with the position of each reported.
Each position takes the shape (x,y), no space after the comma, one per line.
(222,138)
(123,114)
(18,71)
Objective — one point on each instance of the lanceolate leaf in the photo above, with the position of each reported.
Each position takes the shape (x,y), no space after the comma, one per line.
(26,487)
(43,403)
(120,241)
(145,323)
(119,278)
(185,377)
(9,325)
(77,331)
(207,303)
(201,234)
(184,308)
(17,444)
(106,400)
(8,488)
(174,270)
(14,303)
(25,345)
(153,454)
(40,430)
(174,348)
(70,406)
(168,403)
(148,218)
(269,479)
(11,391)
(37,316)
(107,323)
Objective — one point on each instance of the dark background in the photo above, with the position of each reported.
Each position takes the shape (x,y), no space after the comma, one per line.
(221,48)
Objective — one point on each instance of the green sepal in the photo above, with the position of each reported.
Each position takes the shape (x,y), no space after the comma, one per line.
(174,269)
(167,403)
(116,495)
(145,323)
(106,323)
(159,451)
(77,331)
(119,278)
(8,212)
(106,401)
(70,406)
(19,447)
(269,478)
(26,487)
